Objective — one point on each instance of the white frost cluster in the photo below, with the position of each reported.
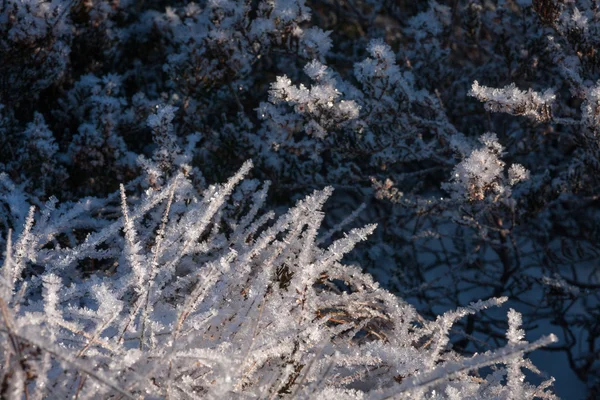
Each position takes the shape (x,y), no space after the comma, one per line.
(317,108)
(513,101)
(482,172)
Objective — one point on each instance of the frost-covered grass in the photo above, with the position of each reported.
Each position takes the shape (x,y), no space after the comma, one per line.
(190,298)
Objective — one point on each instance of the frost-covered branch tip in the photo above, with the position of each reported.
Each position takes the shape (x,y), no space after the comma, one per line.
(511,100)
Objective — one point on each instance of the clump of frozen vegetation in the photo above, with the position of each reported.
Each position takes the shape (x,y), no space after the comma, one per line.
(190,298)
(482,173)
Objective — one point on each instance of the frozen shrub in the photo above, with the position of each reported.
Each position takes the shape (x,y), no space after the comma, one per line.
(388,102)
(38,153)
(482,172)
(190,310)
(100,118)
(34,46)
(336,132)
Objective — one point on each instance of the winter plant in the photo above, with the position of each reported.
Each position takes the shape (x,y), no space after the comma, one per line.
(189,297)
(448,150)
